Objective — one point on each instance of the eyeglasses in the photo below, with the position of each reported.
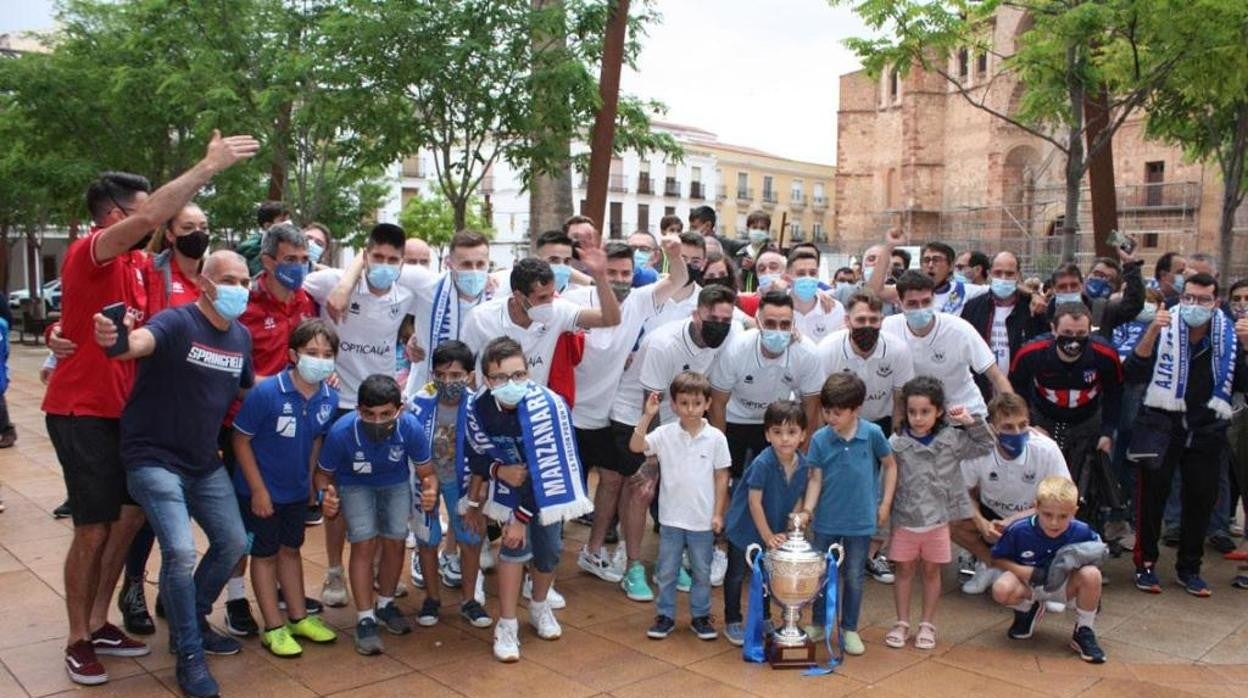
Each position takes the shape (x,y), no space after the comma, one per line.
(934,259)
(1189,299)
(642,248)
(517,377)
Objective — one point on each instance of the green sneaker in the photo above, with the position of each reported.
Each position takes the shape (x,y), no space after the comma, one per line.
(634,583)
(314,629)
(280,643)
(853,643)
(683,581)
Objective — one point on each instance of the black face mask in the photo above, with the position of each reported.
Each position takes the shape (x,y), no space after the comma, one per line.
(194,244)
(715,332)
(378,432)
(695,275)
(865,337)
(1072,346)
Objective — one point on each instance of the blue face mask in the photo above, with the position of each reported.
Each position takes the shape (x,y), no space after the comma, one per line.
(1069,298)
(960,278)
(510,393)
(640,259)
(1097,288)
(1147,313)
(1195,315)
(314,252)
(866,273)
(1003,288)
(776,341)
(290,274)
(765,280)
(758,237)
(920,318)
(231,301)
(470,283)
(314,369)
(562,273)
(805,288)
(1013,444)
(382,276)
(1178,283)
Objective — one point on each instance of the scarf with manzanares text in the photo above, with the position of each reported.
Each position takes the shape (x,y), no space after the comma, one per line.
(1168,387)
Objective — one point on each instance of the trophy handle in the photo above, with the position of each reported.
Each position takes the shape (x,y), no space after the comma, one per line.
(752,551)
(840,552)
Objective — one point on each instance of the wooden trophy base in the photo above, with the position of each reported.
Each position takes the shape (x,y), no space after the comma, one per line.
(785,657)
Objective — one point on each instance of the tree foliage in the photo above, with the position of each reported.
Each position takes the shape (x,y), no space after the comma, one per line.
(432,219)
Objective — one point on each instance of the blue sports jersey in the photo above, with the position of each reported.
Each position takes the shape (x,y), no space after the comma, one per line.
(283,426)
(354,459)
(1026,543)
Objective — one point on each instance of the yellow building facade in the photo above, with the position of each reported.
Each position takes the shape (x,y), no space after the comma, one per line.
(796,194)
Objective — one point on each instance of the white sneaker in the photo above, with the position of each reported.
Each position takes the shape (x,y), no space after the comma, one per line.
(1054,607)
(719,567)
(507,640)
(487,556)
(554,598)
(542,618)
(334,589)
(982,580)
(619,560)
(479,594)
(450,571)
(598,565)
(410,542)
(418,575)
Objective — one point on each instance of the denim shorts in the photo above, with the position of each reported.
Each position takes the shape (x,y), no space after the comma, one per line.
(449,492)
(542,545)
(373,512)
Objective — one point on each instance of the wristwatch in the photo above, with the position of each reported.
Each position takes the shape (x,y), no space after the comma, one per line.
(474,504)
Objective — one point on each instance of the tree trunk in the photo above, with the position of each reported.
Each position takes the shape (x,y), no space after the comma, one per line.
(281,153)
(550,194)
(1232,189)
(1074,157)
(4,259)
(1101,173)
(32,274)
(602,137)
(460,206)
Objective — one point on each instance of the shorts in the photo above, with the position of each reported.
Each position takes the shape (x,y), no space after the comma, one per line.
(376,511)
(542,546)
(988,513)
(89,449)
(449,492)
(284,529)
(626,462)
(928,546)
(1060,595)
(596,448)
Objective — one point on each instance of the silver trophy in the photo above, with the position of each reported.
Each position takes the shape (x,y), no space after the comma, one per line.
(796,573)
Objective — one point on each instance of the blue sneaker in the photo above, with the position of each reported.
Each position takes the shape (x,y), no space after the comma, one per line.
(1194,585)
(1084,642)
(1146,580)
(634,583)
(194,678)
(215,642)
(683,581)
(735,632)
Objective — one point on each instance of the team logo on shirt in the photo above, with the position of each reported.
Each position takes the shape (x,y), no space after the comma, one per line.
(394,311)
(749,380)
(1029,477)
(1089,376)
(992,476)
(215,359)
(788,378)
(938,357)
(820,329)
(322,416)
(686,368)
(354,309)
(287,426)
(883,370)
(396,453)
(286,408)
(1027,554)
(270,323)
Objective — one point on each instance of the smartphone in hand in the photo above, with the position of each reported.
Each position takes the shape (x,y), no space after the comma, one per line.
(116,312)
(1121,241)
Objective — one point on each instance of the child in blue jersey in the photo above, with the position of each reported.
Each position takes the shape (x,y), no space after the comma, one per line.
(370,454)
(1025,552)
(845,457)
(8,432)
(277,435)
(773,487)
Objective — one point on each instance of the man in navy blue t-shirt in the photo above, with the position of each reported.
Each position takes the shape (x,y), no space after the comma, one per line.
(194,360)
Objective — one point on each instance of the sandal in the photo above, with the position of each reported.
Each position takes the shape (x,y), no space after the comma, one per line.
(926,639)
(896,638)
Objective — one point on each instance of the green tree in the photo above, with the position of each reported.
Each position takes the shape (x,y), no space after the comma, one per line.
(1203,107)
(432,219)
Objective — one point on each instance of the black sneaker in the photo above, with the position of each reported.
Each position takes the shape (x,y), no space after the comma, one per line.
(429,611)
(310,605)
(475,614)
(663,626)
(312,516)
(215,642)
(133,606)
(1222,543)
(159,606)
(391,618)
(238,619)
(1084,642)
(701,626)
(63,511)
(1025,622)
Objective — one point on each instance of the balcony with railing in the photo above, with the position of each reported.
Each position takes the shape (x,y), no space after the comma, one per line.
(819,235)
(617,182)
(645,184)
(770,198)
(695,191)
(745,194)
(671,187)
(414,167)
(819,202)
(797,201)
(721,194)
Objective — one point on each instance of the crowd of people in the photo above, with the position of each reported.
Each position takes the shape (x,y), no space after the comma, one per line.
(720,388)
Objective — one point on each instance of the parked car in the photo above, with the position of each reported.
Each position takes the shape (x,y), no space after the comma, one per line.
(51,294)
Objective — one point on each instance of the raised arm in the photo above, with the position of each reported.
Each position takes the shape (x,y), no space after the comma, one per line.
(677,271)
(608,312)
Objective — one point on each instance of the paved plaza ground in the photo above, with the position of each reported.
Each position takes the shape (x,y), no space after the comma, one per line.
(1167,645)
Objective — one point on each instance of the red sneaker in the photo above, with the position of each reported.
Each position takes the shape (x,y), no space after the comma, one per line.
(110,641)
(82,666)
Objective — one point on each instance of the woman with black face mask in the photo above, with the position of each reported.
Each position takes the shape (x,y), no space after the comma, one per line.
(178,250)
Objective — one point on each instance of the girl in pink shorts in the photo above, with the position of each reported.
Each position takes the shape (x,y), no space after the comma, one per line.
(930,493)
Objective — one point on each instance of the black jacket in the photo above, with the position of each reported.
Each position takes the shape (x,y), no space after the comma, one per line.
(1020,325)
(1112,312)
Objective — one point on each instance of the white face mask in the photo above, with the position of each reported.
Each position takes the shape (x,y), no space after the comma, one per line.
(542,314)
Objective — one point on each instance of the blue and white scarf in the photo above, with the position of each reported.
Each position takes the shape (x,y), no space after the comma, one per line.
(549,452)
(424,406)
(956,299)
(1127,335)
(444,323)
(1168,386)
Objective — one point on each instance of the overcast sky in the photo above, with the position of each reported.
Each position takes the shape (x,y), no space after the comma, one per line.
(760,73)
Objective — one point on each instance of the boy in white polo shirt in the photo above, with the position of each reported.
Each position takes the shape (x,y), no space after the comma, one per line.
(693,457)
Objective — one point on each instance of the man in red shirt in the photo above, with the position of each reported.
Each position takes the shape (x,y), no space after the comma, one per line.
(88,390)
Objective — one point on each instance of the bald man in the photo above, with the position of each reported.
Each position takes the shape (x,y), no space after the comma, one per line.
(417,251)
(193,360)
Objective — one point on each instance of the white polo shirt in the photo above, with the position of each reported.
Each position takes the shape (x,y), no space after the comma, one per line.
(884,371)
(663,354)
(818,324)
(687,466)
(1009,486)
(368,338)
(491,320)
(950,352)
(754,381)
(607,350)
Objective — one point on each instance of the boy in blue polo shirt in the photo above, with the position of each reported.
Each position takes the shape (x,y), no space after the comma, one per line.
(370,454)
(842,494)
(277,434)
(759,513)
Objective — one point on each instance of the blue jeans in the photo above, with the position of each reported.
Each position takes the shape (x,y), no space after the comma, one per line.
(542,546)
(851,578)
(673,542)
(170,501)
(376,511)
(449,492)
